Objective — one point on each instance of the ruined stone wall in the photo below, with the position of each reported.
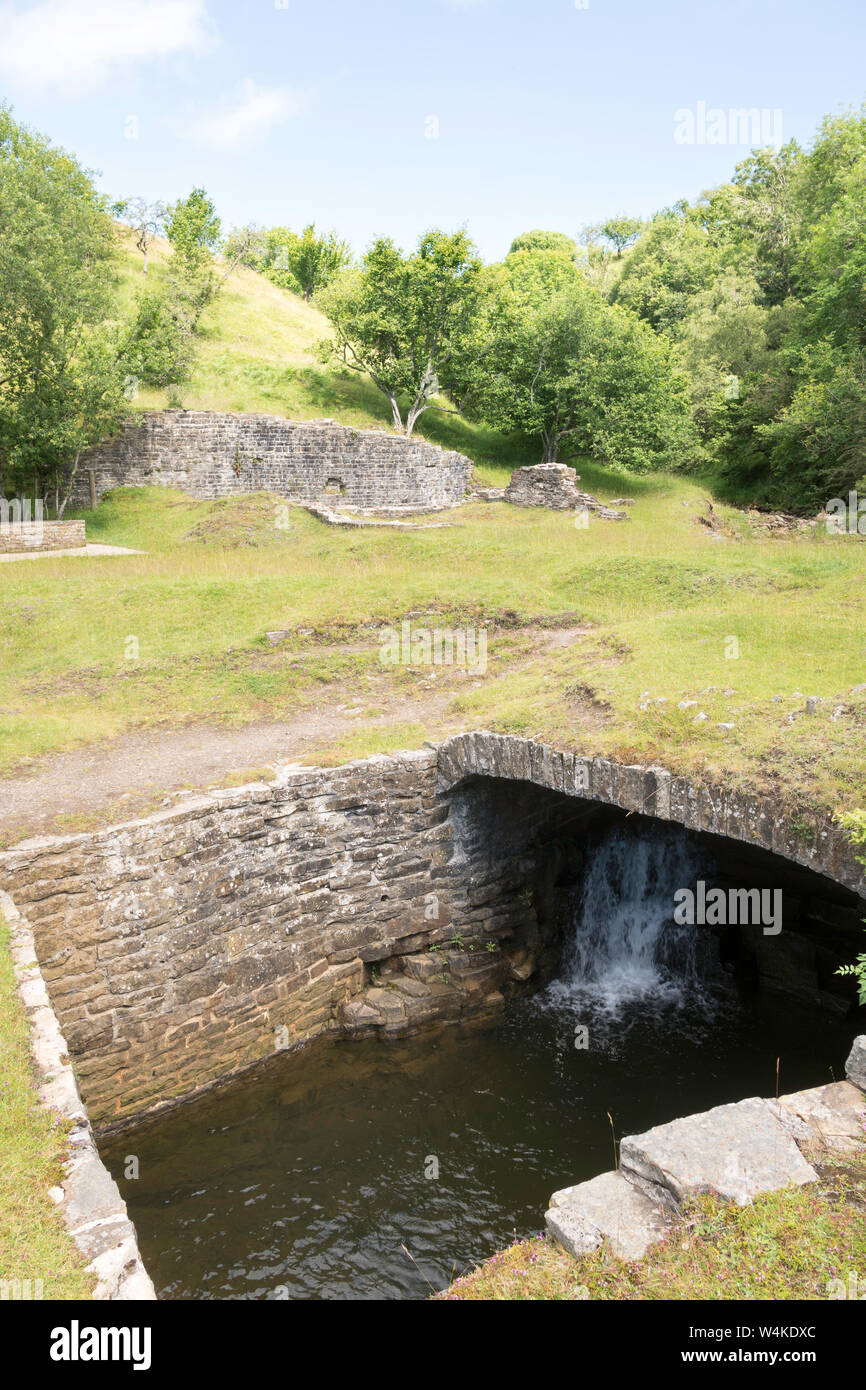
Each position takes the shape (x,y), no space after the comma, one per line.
(181,948)
(31,537)
(373,897)
(211,455)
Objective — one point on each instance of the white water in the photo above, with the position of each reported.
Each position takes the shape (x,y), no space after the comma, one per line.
(625,946)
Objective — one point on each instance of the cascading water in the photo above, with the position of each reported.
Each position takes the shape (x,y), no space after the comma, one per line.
(625,946)
(310,1179)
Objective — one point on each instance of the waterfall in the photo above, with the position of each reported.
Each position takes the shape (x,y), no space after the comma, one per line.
(624,945)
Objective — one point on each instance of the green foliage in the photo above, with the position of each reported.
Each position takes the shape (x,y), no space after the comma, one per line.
(193,228)
(61,378)
(544,241)
(619,232)
(760,282)
(674,260)
(548,356)
(854,824)
(304,263)
(401,318)
(161,348)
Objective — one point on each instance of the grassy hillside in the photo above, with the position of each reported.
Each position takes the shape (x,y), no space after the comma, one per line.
(257,352)
(595,637)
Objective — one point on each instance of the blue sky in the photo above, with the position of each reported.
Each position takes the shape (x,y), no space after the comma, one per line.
(374,116)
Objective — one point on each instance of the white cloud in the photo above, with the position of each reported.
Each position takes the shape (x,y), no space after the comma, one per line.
(257,111)
(81,42)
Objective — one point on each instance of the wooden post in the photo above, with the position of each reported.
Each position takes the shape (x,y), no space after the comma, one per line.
(92,476)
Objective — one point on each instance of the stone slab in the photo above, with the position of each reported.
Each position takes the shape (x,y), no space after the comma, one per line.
(737,1151)
(572,1231)
(612,1207)
(834,1115)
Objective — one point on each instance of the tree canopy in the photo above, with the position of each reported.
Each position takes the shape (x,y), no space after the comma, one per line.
(401,318)
(550,357)
(61,343)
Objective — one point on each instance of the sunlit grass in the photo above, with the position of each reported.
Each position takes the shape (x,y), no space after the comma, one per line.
(91,648)
(34,1244)
(661,599)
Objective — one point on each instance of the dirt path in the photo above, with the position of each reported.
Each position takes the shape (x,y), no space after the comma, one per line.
(139,772)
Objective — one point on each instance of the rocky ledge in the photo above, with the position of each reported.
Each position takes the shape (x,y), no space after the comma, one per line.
(737,1151)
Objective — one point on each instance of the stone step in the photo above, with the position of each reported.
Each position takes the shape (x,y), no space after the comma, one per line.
(737,1151)
(580,1217)
(830,1116)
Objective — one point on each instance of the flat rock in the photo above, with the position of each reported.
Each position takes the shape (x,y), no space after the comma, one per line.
(855,1067)
(611,1206)
(834,1115)
(737,1151)
(91,1192)
(387,1003)
(573,1232)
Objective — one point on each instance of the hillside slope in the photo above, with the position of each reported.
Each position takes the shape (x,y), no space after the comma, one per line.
(257,352)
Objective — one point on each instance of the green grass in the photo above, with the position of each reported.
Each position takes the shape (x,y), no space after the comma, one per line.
(34,1244)
(785,1245)
(257,353)
(659,594)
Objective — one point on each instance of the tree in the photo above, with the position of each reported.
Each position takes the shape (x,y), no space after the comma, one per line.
(193,228)
(551,358)
(160,348)
(147,221)
(61,371)
(620,231)
(303,263)
(401,318)
(674,260)
(544,241)
(244,246)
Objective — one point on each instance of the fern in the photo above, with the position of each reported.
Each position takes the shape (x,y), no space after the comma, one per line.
(854,823)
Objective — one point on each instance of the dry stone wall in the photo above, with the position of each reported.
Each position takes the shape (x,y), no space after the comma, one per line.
(32,537)
(377,896)
(211,455)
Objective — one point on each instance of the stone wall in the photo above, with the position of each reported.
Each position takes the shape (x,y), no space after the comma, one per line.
(184,947)
(212,455)
(89,1199)
(554,485)
(32,537)
(180,949)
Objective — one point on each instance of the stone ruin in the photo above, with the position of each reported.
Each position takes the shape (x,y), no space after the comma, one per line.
(555,485)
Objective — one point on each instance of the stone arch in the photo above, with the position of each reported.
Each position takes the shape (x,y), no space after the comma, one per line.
(654,792)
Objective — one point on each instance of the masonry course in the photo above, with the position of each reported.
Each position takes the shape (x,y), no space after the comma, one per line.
(181,949)
(32,537)
(210,455)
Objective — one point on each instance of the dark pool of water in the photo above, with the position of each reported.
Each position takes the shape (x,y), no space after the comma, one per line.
(308,1179)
